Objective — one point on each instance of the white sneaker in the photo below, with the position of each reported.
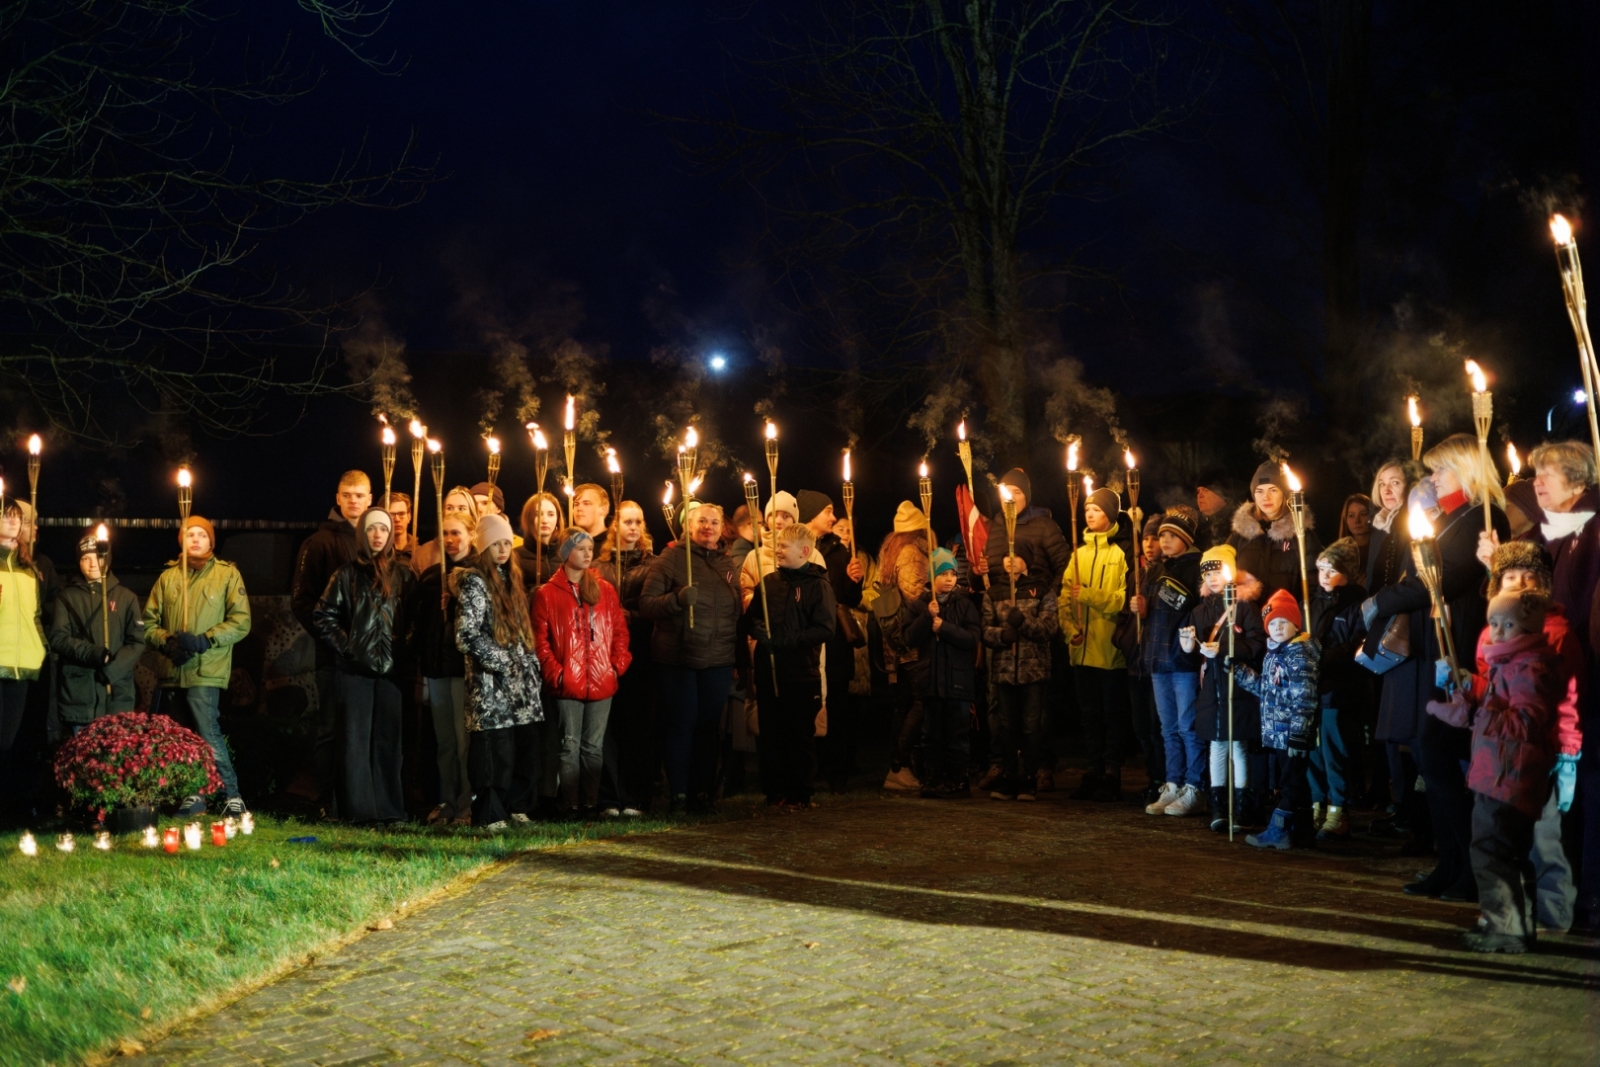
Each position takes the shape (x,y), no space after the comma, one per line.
(496,826)
(521,819)
(1188,802)
(1169,793)
(631,813)
(612,813)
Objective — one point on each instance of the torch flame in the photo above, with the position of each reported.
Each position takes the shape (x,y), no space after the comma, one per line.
(1561,230)
(961,430)
(185,479)
(1480,384)
(494,445)
(666,498)
(101,534)
(1005,492)
(1072,455)
(1227,574)
(922,470)
(1127,457)
(611,461)
(772,430)
(388,435)
(434,445)
(1418,524)
(691,438)
(1413,411)
(417,429)
(694,486)
(1512,457)
(568,489)
(749,479)
(847,464)
(1288,476)
(1088,484)
(35,445)
(539,441)
(572,412)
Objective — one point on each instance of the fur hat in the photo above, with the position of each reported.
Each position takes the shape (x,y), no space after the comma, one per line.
(1344,556)
(491,528)
(1520,555)
(784,502)
(943,560)
(1282,605)
(1017,478)
(1221,555)
(810,504)
(1107,501)
(492,492)
(1269,473)
(908,518)
(1527,608)
(1176,522)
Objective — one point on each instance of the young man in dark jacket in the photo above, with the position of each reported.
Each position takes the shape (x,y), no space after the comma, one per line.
(787,664)
(96,666)
(946,629)
(322,554)
(1174,674)
(1344,687)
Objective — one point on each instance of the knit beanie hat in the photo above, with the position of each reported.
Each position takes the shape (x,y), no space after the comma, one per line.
(574,539)
(1344,556)
(491,528)
(1214,480)
(908,518)
(1527,608)
(1520,555)
(784,502)
(943,560)
(492,492)
(1176,522)
(1222,555)
(1017,478)
(372,515)
(811,504)
(1269,473)
(202,522)
(89,544)
(1423,495)
(1106,500)
(1282,605)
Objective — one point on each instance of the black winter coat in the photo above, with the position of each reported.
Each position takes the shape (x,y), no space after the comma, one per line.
(801,605)
(433,631)
(365,628)
(1214,529)
(841,659)
(77,636)
(1040,544)
(1269,552)
(1175,582)
(322,554)
(712,639)
(1408,687)
(945,667)
(1388,551)
(1336,626)
(1211,700)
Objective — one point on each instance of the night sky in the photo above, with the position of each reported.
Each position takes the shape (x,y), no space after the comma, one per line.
(560,203)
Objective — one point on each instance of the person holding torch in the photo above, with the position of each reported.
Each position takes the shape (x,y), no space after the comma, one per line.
(1094,590)
(97,633)
(1264,534)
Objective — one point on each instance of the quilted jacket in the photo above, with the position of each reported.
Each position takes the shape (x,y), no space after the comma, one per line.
(1028,660)
(583,649)
(1286,685)
(502,681)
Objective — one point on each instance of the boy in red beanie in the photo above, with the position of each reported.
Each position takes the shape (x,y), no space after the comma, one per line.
(1287,688)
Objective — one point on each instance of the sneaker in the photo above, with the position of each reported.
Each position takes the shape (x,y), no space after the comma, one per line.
(1483,941)
(192,805)
(1189,801)
(1026,795)
(1044,781)
(440,815)
(521,819)
(464,819)
(612,813)
(631,813)
(234,807)
(1317,813)
(990,777)
(1169,793)
(1335,827)
(497,826)
(902,781)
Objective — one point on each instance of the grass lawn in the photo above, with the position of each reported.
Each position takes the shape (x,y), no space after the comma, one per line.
(96,947)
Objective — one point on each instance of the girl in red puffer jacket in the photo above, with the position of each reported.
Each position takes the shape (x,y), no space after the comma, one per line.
(581,637)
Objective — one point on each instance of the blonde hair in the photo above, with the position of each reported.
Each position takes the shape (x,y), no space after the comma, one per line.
(796,532)
(1460,455)
(1573,459)
(355,478)
(1377,484)
(466,494)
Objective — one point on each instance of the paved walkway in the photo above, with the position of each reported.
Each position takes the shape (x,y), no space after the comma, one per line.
(902,931)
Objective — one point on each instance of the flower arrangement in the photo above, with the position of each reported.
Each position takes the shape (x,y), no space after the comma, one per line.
(132,759)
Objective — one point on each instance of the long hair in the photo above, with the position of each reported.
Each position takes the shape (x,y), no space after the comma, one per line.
(383,562)
(588,584)
(24,548)
(613,546)
(1356,498)
(508,603)
(1459,453)
(1377,490)
(529,520)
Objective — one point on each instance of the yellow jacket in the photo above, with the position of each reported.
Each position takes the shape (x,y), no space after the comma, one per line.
(1102,571)
(21,625)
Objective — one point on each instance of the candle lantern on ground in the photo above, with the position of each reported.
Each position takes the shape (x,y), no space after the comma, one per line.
(688,465)
(1415,416)
(1425,555)
(493,444)
(419,443)
(219,834)
(247,824)
(169,840)
(847,491)
(752,502)
(35,450)
(150,838)
(1230,602)
(569,445)
(925,490)
(185,503)
(1572,289)
(191,836)
(1482,415)
(1297,509)
(389,444)
(102,841)
(27,845)
(65,843)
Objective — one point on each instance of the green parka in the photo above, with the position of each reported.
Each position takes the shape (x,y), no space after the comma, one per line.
(219,609)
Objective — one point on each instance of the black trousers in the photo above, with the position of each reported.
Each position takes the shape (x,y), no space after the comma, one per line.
(13,776)
(504,767)
(370,708)
(1502,837)
(788,731)
(630,755)
(1103,708)
(1293,780)
(1147,728)
(905,724)
(1440,750)
(1022,726)
(322,724)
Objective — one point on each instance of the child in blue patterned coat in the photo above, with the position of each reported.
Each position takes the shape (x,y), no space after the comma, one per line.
(1287,688)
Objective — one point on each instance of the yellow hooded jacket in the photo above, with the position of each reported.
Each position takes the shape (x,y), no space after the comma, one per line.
(1101,568)
(21,627)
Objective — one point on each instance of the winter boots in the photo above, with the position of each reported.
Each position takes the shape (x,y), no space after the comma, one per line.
(1089,785)
(1219,811)
(1334,826)
(1279,833)
(1109,791)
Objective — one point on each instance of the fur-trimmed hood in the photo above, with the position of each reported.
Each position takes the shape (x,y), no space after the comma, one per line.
(1247,523)
(1248,586)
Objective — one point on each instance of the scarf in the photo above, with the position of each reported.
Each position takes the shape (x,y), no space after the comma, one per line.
(1453,501)
(1561,524)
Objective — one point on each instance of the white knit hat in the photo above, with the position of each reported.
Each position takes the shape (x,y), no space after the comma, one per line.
(782,501)
(491,528)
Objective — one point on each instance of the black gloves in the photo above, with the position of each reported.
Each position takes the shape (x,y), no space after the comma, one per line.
(192,643)
(175,652)
(687,596)
(1008,635)
(1015,619)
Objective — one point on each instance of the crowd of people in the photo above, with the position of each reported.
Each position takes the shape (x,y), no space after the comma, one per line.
(1271,683)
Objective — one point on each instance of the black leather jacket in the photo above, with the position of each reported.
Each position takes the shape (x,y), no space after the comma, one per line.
(365,628)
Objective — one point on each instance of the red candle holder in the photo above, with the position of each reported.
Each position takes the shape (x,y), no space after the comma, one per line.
(169,839)
(219,834)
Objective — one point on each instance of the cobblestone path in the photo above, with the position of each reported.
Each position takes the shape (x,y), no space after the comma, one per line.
(903,931)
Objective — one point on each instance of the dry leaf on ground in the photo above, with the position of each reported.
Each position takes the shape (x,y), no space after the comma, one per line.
(384,923)
(18,984)
(541,1035)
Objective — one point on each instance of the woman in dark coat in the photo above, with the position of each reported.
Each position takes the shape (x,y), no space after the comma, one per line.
(1388,551)
(632,756)
(1459,480)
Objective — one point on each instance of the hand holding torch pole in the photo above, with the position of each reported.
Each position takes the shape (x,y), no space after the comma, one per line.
(1425,554)
(419,444)
(1297,509)
(752,502)
(688,464)
(1571,267)
(1136,518)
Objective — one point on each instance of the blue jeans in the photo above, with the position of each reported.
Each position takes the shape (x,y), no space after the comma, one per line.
(690,703)
(1175,695)
(199,708)
(1330,761)
(583,731)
